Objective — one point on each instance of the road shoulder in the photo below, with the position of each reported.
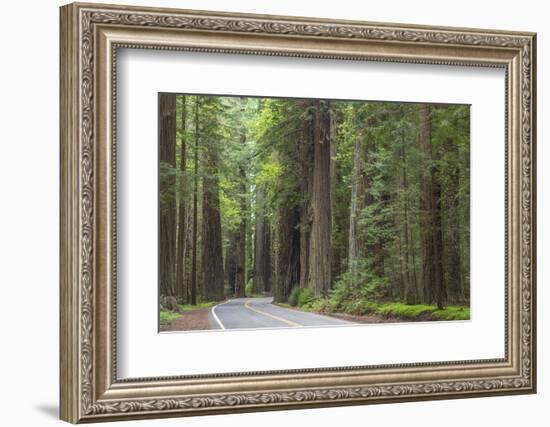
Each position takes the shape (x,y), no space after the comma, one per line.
(191,320)
(363,319)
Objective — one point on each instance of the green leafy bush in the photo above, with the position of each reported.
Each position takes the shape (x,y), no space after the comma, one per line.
(301,297)
(360,307)
(305,297)
(364,293)
(293,297)
(356,290)
(319,304)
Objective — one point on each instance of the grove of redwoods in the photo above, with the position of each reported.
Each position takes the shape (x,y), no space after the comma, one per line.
(358,203)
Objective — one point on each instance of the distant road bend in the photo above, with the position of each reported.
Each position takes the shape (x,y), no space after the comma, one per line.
(252,313)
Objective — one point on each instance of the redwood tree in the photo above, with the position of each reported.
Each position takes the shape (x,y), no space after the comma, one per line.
(262,249)
(240,276)
(167,220)
(211,237)
(193,290)
(320,244)
(182,211)
(432,239)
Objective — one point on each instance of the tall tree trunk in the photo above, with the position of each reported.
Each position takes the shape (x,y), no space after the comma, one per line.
(262,248)
(427,272)
(432,271)
(167,220)
(355,244)
(402,269)
(212,250)
(211,238)
(182,212)
(419,295)
(288,252)
(305,155)
(320,245)
(240,278)
(360,198)
(193,291)
(411,293)
(338,249)
(440,290)
(259,254)
(187,251)
(231,262)
(453,247)
(267,258)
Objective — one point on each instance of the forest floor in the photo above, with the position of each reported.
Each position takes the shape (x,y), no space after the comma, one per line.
(395,312)
(353,318)
(192,320)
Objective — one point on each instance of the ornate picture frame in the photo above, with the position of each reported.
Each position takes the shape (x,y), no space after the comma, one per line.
(90,37)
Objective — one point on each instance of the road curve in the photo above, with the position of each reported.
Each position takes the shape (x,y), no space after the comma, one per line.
(253,313)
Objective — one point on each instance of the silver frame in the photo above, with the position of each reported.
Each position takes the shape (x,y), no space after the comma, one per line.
(90,37)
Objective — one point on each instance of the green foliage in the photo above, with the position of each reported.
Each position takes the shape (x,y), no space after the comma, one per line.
(268,174)
(168,176)
(403,310)
(397,310)
(168,316)
(251,151)
(358,286)
(293,297)
(201,304)
(248,289)
(422,311)
(305,296)
(301,297)
(324,305)
(277,132)
(229,206)
(452,313)
(359,307)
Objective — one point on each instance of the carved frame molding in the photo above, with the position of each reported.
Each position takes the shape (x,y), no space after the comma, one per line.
(90,36)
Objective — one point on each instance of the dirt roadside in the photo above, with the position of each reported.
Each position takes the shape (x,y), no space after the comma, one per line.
(192,320)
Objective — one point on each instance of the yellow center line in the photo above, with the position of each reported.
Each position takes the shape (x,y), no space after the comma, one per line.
(288,322)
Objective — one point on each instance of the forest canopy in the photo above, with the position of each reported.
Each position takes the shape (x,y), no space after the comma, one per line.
(342,205)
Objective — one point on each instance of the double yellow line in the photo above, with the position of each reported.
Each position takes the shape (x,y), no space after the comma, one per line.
(288,322)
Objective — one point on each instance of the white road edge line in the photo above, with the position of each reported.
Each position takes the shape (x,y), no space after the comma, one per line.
(216,318)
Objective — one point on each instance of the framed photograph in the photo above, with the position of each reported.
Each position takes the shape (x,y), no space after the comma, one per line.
(266,212)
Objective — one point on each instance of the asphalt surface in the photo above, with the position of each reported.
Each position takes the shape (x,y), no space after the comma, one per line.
(253,313)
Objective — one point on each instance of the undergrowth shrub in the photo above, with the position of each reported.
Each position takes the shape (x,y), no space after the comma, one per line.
(305,297)
(293,297)
(356,290)
(301,297)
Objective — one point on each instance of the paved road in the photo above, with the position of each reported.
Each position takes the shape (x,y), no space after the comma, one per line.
(252,313)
